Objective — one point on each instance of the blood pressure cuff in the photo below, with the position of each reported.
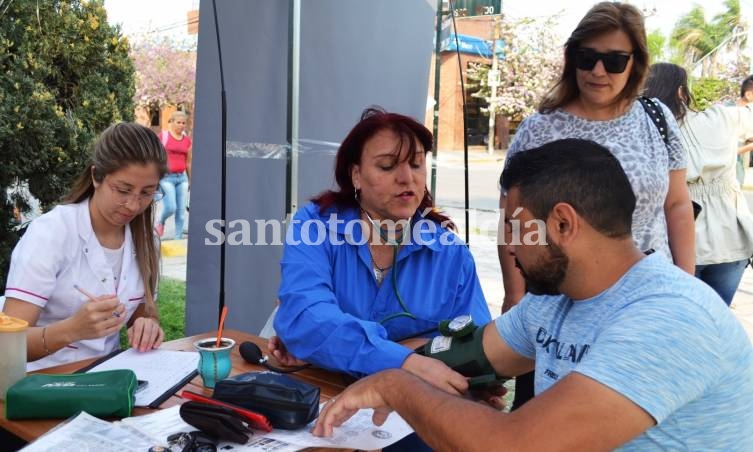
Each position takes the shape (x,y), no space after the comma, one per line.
(464,355)
(287,403)
(217,421)
(102,394)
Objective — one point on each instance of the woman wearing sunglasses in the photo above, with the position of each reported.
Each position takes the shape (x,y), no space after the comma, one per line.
(90,265)
(606,61)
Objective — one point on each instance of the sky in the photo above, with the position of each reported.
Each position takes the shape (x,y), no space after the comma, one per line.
(169,16)
(666,14)
(154,17)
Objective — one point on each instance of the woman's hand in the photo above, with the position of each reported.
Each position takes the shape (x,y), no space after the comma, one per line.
(415,342)
(97,318)
(491,394)
(277,349)
(145,334)
(436,373)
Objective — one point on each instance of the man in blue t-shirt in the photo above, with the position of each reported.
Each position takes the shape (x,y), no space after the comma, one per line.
(629,351)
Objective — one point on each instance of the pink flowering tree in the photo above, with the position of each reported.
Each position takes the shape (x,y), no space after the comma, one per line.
(165,74)
(529,64)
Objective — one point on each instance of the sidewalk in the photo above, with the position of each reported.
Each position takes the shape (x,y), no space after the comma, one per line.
(174,252)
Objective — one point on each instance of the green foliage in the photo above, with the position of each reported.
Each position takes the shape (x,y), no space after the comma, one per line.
(707,92)
(694,35)
(695,41)
(172,310)
(66,77)
(656,43)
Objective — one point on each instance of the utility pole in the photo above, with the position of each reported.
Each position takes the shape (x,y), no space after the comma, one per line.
(437,70)
(493,79)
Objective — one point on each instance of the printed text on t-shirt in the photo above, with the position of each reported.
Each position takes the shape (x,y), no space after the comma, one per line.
(561,350)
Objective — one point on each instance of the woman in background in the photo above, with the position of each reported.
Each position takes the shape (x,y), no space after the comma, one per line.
(724,228)
(176,182)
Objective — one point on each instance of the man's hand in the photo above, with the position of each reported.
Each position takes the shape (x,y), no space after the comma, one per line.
(436,372)
(365,393)
(145,334)
(277,349)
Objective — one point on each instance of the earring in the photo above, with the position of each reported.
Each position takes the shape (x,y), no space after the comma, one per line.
(357,195)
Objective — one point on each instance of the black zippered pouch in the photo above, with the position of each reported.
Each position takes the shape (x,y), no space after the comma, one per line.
(288,403)
(220,422)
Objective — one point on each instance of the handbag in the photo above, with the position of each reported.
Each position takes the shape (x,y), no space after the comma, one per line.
(656,114)
(287,403)
(102,394)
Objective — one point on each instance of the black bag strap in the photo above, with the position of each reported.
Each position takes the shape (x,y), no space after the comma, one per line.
(656,114)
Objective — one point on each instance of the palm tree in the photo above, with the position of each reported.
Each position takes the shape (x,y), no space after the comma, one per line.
(730,22)
(698,40)
(655,41)
(693,36)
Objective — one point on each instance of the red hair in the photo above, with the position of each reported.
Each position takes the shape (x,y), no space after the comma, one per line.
(374,120)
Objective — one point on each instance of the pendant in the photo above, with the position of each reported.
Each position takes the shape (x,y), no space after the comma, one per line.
(379,275)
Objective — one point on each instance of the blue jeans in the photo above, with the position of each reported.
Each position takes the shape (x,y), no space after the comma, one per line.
(723,278)
(175,187)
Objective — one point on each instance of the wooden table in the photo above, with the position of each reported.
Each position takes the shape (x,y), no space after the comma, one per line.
(330,383)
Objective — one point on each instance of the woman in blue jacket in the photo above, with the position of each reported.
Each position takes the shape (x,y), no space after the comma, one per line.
(373,263)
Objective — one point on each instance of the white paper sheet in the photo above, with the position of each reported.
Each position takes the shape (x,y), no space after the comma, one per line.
(163,369)
(358,433)
(86,432)
(164,423)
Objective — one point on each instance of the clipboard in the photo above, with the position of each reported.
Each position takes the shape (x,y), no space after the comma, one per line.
(167,371)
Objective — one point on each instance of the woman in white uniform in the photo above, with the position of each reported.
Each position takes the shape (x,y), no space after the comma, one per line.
(100,241)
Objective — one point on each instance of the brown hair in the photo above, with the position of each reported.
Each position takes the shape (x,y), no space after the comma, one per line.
(602,18)
(120,145)
(374,120)
(669,83)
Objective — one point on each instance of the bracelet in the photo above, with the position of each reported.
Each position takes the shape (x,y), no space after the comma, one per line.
(44,342)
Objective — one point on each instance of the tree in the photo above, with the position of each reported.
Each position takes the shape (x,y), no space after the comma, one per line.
(656,42)
(529,66)
(699,41)
(67,77)
(165,74)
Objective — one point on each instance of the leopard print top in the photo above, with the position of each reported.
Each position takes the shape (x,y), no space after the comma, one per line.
(635,141)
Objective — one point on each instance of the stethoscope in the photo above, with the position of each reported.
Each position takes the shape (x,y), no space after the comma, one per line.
(395,246)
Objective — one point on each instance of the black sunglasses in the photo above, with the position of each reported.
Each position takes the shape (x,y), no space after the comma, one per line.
(614,62)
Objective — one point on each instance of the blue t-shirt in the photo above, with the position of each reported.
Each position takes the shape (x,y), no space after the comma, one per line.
(659,337)
(332,311)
